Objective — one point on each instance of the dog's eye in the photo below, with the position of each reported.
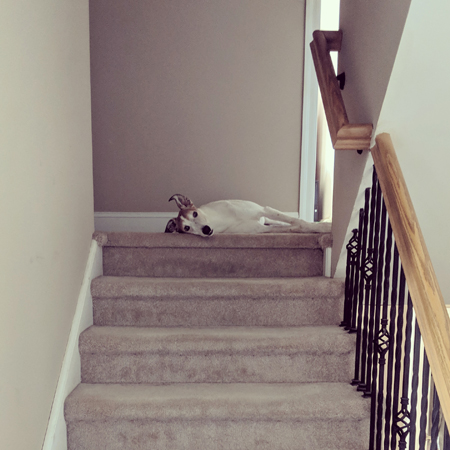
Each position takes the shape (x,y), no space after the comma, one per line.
(186,228)
(195,214)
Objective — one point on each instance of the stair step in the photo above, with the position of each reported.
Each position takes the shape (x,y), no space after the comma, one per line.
(224,256)
(217,416)
(215,355)
(225,343)
(173,302)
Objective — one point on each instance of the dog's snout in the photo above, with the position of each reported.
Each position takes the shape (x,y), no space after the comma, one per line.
(207,230)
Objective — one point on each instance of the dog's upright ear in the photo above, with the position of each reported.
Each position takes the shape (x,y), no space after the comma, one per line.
(181,201)
(171,226)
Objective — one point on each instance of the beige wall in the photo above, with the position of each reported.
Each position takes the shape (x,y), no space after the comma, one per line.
(201,98)
(416,114)
(372,32)
(46,203)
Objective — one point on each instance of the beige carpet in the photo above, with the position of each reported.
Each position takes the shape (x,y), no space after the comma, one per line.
(225,343)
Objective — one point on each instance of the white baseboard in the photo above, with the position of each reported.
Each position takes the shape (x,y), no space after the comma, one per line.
(151,222)
(327,262)
(70,376)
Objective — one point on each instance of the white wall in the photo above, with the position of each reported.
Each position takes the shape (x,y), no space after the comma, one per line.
(201,98)
(371,35)
(416,114)
(329,21)
(45,201)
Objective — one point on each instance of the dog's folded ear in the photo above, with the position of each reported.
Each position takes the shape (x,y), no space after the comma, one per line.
(181,201)
(171,226)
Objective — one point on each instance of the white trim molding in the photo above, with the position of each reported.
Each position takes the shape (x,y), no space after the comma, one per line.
(70,376)
(309,116)
(150,222)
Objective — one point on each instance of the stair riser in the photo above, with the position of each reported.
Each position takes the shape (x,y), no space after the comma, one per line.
(216,368)
(212,262)
(194,312)
(219,435)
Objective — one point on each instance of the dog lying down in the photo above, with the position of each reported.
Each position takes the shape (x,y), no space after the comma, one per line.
(235,216)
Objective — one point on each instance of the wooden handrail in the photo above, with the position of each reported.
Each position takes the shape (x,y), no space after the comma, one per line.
(344,136)
(426,295)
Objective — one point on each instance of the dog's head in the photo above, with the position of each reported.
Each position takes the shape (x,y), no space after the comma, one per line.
(190,219)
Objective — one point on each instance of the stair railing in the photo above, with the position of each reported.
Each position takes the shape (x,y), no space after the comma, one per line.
(394,305)
(392,299)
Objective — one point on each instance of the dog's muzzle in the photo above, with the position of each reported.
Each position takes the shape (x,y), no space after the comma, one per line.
(207,230)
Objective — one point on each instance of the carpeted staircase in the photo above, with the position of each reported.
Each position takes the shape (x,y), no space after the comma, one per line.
(225,343)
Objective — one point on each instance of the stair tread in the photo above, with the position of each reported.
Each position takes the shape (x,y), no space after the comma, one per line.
(119,286)
(273,340)
(168,240)
(216,401)
(144,301)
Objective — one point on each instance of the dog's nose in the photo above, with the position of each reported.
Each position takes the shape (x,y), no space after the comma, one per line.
(207,230)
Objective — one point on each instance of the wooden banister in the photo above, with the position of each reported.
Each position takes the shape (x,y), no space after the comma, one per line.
(426,295)
(344,136)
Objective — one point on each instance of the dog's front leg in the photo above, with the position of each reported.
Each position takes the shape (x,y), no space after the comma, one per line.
(312,227)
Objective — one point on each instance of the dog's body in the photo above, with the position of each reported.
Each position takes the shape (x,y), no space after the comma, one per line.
(235,216)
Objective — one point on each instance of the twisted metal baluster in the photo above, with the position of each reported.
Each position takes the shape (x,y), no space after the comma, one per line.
(356,303)
(383,337)
(379,348)
(403,423)
(352,254)
(375,292)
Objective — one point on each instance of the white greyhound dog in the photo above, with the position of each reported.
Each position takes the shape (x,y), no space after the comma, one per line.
(236,216)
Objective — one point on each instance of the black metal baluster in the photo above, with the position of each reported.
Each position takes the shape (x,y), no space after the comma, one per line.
(414,385)
(399,361)
(373,294)
(364,216)
(392,330)
(446,437)
(355,312)
(383,336)
(379,334)
(403,422)
(435,420)
(352,252)
(424,402)
(347,298)
(366,283)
